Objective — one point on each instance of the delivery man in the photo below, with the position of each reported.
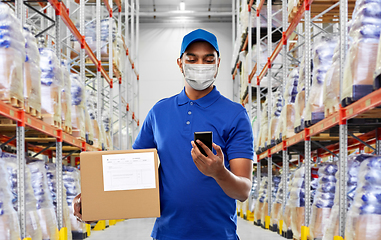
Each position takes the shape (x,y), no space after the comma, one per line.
(198,193)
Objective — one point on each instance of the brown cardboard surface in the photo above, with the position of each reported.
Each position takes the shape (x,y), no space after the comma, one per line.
(98,204)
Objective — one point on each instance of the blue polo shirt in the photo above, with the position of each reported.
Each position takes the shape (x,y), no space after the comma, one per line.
(194,206)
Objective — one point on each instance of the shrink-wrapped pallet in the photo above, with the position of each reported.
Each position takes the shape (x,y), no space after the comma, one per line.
(72,183)
(51,173)
(66,99)
(107,130)
(285,127)
(33,227)
(90,33)
(9,221)
(353,167)
(263,130)
(360,63)
(120,53)
(363,217)
(377,73)
(331,86)
(277,104)
(51,86)
(285,214)
(323,200)
(91,104)
(89,129)
(260,200)
(274,188)
(253,195)
(32,75)
(322,54)
(277,206)
(300,97)
(296,202)
(78,106)
(12,57)
(45,207)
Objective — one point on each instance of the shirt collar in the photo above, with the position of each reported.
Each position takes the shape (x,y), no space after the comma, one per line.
(204,102)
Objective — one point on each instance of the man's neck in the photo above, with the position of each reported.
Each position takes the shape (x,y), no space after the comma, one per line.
(196,94)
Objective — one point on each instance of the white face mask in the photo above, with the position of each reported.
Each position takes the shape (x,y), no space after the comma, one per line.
(200,76)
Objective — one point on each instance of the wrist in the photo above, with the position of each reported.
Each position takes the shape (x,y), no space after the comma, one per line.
(222,174)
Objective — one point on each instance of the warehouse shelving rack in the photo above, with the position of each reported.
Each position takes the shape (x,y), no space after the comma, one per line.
(54,22)
(342,124)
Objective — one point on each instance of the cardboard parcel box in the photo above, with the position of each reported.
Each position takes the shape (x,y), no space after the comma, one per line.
(120,184)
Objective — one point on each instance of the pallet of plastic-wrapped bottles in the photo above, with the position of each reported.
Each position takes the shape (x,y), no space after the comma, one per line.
(323,200)
(322,54)
(32,75)
(12,58)
(360,63)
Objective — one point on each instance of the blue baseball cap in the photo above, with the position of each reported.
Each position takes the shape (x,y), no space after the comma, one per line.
(199,35)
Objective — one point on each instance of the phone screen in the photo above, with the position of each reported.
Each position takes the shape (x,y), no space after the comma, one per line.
(206,138)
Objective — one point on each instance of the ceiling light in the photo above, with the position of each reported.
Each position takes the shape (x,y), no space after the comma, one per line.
(182,6)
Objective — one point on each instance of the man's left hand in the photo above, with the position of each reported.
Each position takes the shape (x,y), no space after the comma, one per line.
(212,165)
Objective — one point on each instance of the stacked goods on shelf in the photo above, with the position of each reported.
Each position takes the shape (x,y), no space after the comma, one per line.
(274,187)
(296,202)
(33,227)
(45,207)
(260,201)
(263,130)
(285,128)
(276,16)
(32,75)
(244,73)
(300,97)
(277,104)
(91,105)
(331,88)
(323,200)
(241,32)
(12,57)
(105,24)
(89,129)
(364,215)
(262,55)
(9,221)
(285,213)
(66,99)
(120,53)
(107,130)
(322,54)
(90,33)
(352,179)
(51,87)
(78,106)
(71,180)
(252,198)
(361,59)
(377,73)
(51,174)
(277,207)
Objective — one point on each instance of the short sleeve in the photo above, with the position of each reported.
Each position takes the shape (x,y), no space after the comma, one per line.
(240,143)
(145,138)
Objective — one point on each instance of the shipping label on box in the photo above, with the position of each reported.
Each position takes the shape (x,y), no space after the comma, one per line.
(120,184)
(128,171)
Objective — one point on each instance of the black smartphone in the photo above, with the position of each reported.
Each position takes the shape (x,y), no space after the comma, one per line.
(206,138)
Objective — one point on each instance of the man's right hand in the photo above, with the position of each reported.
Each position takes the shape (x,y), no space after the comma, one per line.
(77,206)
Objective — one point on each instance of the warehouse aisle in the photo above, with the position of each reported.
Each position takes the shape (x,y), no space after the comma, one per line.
(140,229)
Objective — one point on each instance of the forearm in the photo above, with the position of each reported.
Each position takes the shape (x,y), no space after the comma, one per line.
(234,186)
